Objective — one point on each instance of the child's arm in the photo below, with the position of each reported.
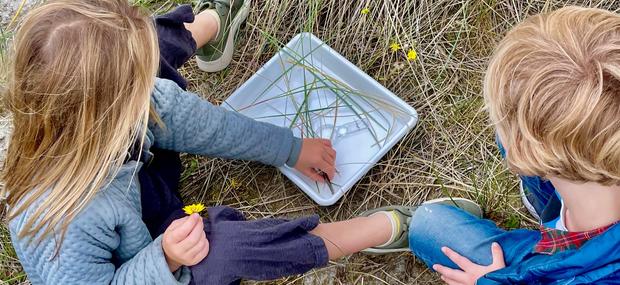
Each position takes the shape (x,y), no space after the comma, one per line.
(194,125)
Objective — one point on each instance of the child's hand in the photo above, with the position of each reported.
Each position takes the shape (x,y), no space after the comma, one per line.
(317,154)
(185,242)
(470,272)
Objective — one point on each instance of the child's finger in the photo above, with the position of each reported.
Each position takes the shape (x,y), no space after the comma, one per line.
(458,259)
(194,250)
(327,167)
(202,252)
(331,152)
(326,142)
(329,159)
(182,231)
(312,174)
(176,223)
(450,281)
(195,236)
(498,255)
(453,274)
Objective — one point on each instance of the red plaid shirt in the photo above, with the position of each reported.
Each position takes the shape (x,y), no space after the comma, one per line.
(554,240)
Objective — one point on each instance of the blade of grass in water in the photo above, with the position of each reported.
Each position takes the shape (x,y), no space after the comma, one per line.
(294,91)
(364,98)
(360,104)
(298,61)
(349,89)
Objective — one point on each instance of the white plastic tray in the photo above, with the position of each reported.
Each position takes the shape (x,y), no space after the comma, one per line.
(275,93)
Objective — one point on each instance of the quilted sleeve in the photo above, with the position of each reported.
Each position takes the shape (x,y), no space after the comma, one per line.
(194,125)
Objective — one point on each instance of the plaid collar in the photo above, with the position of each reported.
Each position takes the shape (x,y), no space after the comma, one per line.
(554,240)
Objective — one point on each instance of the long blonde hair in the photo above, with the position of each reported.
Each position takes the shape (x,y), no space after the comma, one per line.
(553,91)
(79,93)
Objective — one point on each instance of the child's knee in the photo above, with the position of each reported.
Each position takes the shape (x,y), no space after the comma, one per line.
(430,220)
(435,225)
(433,214)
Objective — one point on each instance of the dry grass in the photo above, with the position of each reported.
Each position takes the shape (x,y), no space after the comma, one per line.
(451,151)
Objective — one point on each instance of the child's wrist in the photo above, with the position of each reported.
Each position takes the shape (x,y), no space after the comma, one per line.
(172,265)
(293,156)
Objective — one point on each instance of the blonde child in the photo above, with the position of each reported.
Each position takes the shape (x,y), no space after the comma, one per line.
(92,166)
(552,89)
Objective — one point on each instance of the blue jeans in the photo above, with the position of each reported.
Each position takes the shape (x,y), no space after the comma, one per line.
(434,226)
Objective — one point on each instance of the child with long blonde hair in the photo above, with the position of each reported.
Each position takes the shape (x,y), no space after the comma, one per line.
(92,167)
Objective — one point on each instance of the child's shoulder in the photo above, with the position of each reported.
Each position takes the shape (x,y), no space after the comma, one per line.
(112,206)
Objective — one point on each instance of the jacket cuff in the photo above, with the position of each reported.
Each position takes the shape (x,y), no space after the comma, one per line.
(295,151)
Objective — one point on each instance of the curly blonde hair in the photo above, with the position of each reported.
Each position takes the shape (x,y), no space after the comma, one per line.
(552,89)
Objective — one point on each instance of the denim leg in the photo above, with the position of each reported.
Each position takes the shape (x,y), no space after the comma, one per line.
(434,226)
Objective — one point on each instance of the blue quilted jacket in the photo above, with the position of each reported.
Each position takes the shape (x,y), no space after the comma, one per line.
(107,243)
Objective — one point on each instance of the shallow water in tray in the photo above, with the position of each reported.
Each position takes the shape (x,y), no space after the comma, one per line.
(319,95)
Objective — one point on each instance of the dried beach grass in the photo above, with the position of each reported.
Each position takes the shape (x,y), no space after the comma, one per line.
(451,152)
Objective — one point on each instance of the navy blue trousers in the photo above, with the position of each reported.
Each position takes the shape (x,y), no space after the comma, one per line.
(239,249)
(159,177)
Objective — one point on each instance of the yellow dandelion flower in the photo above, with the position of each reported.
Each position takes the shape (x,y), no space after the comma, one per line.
(365,11)
(411,54)
(234,184)
(394,46)
(193,208)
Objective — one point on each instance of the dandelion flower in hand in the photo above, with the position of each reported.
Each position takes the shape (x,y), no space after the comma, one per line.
(412,55)
(193,208)
(365,11)
(394,46)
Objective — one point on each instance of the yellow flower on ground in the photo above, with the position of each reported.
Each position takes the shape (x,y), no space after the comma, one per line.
(193,208)
(365,11)
(411,54)
(394,46)
(234,184)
